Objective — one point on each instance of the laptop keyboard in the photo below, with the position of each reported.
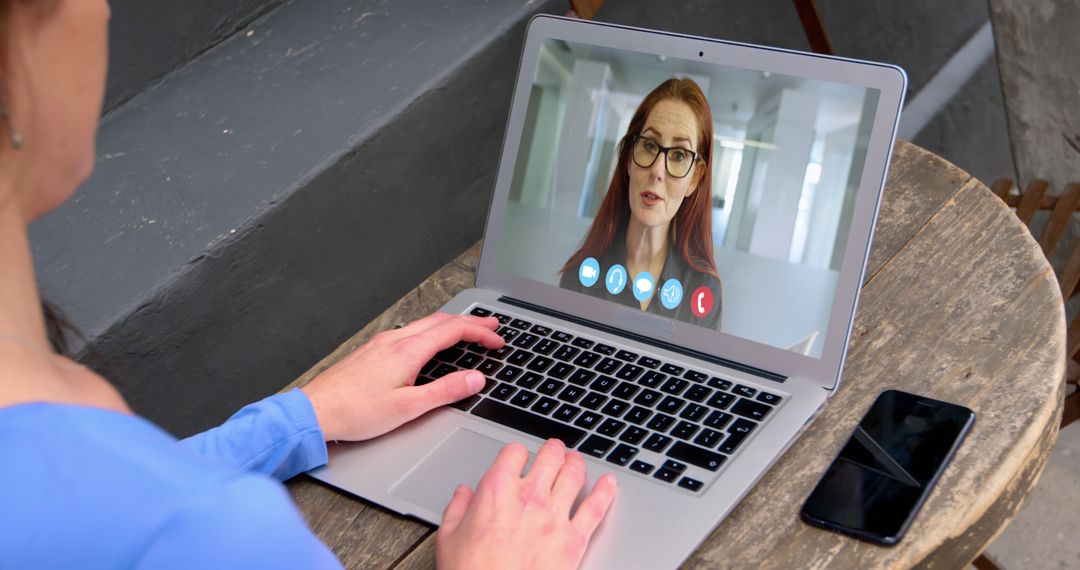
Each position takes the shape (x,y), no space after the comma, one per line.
(675,425)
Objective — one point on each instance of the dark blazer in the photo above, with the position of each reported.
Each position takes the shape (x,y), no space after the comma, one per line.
(675,267)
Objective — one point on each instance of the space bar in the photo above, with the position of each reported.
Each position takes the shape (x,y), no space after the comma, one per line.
(528,422)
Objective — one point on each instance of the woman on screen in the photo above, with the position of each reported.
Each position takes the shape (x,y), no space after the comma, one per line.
(650,245)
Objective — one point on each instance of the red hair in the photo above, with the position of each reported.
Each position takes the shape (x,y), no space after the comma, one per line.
(692,227)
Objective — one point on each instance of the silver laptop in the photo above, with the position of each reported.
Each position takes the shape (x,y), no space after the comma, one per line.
(674,248)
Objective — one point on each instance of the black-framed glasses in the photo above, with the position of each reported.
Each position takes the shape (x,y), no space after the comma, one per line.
(677,160)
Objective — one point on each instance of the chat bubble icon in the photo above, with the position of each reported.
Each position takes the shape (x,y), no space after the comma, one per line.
(643,285)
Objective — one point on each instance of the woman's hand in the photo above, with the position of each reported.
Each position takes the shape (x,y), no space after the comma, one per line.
(371,392)
(523,522)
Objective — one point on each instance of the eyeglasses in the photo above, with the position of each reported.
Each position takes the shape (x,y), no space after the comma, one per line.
(677,160)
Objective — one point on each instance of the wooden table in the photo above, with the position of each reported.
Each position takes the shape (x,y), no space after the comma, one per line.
(959,304)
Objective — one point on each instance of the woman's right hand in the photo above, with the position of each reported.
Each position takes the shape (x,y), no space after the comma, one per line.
(520,522)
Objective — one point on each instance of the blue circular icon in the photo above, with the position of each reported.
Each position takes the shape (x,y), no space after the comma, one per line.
(615,279)
(671,294)
(589,272)
(643,286)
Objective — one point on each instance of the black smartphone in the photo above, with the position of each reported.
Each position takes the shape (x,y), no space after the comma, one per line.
(883,474)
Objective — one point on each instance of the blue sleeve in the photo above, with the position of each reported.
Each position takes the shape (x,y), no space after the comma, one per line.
(249,522)
(278,436)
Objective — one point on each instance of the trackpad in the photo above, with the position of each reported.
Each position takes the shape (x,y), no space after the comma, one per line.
(463,457)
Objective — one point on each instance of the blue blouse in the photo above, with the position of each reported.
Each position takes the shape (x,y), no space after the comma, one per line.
(84,487)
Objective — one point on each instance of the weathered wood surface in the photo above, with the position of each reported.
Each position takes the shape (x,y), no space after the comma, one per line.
(958,304)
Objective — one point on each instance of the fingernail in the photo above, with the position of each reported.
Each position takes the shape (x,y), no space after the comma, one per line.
(474,380)
(611,480)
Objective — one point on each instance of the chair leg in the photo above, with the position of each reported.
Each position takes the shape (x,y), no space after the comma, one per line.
(984,562)
(1071,412)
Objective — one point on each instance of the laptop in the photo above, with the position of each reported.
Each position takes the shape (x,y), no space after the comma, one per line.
(674,250)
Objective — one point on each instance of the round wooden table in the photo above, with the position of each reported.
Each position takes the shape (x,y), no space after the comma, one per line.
(959,304)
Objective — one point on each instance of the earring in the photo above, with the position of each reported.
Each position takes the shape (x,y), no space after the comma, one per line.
(14,135)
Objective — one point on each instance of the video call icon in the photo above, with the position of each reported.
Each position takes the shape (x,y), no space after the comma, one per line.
(643,286)
(671,294)
(589,272)
(615,279)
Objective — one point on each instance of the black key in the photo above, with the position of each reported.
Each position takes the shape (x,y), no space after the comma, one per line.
(550,387)
(672,369)
(501,353)
(625,390)
(750,409)
(718,420)
(545,346)
(523,398)
(674,466)
(742,426)
(657,442)
(596,446)
(603,384)
(771,399)
(671,405)
(648,398)
(622,454)
(540,363)
(685,430)
(431,364)
(652,379)
(638,415)
(465,404)
(648,362)
(489,367)
(594,400)
(721,400)
(633,435)
(694,412)
(480,312)
(561,370)
(691,484)
(610,427)
(695,376)
(450,355)
(615,408)
(581,377)
(586,359)
(626,355)
(583,343)
(503,391)
(604,349)
(545,405)
(509,373)
(488,385)
(561,336)
(696,456)
(529,380)
(588,420)
(508,333)
(719,383)
(422,380)
(477,347)
(540,330)
(503,319)
(525,340)
(520,324)
(630,372)
(572,394)
(697,393)
(532,424)
(566,352)
(462,344)
(732,442)
(641,467)
(744,390)
(520,357)
(470,360)
(444,369)
(566,412)
(674,386)
(661,422)
(608,366)
(708,438)
(666,475)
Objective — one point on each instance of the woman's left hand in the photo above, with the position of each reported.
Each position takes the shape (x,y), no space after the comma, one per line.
(371,391)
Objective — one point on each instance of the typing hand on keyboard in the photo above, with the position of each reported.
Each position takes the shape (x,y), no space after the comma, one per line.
(371,391)
(523,522)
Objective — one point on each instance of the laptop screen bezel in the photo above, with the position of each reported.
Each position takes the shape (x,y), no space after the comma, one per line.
(889,80)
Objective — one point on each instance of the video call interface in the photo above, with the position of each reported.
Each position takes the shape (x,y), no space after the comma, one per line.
(712,195)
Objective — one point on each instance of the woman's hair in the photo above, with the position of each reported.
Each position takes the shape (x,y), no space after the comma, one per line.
(692,230)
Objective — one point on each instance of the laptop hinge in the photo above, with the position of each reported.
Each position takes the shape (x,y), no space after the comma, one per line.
(644,339)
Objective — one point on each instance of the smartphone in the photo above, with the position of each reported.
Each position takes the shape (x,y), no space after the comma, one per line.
(884,473)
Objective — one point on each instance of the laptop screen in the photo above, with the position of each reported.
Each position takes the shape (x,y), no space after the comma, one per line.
(709,194)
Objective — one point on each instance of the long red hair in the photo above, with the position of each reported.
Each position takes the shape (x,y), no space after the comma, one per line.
(692,227)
